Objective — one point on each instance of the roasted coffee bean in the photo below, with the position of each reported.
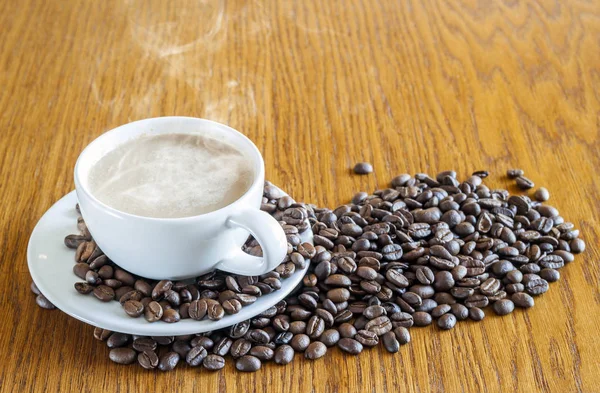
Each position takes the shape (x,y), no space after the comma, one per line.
(101,334)
(315,350)
(300,342)
(133,308)
(446,321)
(168,361)
(363,168)
(196,355)
(240,347)
(390,342)
(130,295)
(160,288)
(117,340)
(213,362)
(577,246)
(521,299)
(284,354)
(421,318)
(459,311)
(476,314)
(144,344)
(536,286)
(171,316)
(440,310)
(367,338)
(402,334)
(203,341)
(524,183)
(514,173)
(122,355)
(350,346)
(83,287)
(262,352)
(503,307)
(153,312)
(214,310)
(125,277)
(104,293)
(330,337)
(248,363)
(379,325)
(550,275)
(347,330)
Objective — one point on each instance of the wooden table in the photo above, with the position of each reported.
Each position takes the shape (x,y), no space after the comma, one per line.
(407,85)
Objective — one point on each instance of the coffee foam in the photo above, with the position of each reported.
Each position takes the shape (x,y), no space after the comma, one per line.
(171,175)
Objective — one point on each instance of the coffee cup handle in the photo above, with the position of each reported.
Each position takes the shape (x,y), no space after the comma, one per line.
(269,234)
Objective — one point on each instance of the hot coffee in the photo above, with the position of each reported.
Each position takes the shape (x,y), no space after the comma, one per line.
(171,175)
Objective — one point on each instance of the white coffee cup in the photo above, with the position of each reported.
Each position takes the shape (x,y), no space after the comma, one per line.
(178,248)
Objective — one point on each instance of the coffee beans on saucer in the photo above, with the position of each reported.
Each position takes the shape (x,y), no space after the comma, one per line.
(211,296)
(426,251)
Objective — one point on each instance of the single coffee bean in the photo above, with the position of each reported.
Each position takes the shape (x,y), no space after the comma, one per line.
(421,318)
(536,286)
(168,361)
(223,346)
(196,356)
(203,341)
(379,325)
(367,338)
(122,355)
(390,342)
(131,295)
(213,362)
(117,340)
(104,293)
(577,246)
(148,360)
(550,275)
(133,308)
(446,321)
(143,287)
(363,168)
(215,311)
(144,344)
(347,330)
(262,352)
(541,194)
(181,347)
(248,363)
(81,269)
(460,311)
(503,307)
(300,342)
(524,183)
(101,334)
(153,312)
(350,346)
(160,288)
(330,337)
(83,287)
(514,173)
(315,350)
(284,354)
(521,299)
(476,314)
(198,309)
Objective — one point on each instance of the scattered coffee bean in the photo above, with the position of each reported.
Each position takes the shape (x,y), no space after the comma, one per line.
(541,194)
(315,350)
(122,355)
(363,168)
(284,354)
(148,360)
(168,361)
(427,248)
(514,173)
(524,183)
(248,363)
(44,303)
(446,321)
(133,308)
(503,307)
(521,299)
(213,362)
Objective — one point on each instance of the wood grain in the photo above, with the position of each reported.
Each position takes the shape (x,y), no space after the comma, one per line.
(408,85)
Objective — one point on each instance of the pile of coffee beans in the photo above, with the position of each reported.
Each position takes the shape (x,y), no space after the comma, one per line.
(211,296)
(426,250)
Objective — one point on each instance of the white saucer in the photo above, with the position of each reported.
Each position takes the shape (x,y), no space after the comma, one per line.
(51,267)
